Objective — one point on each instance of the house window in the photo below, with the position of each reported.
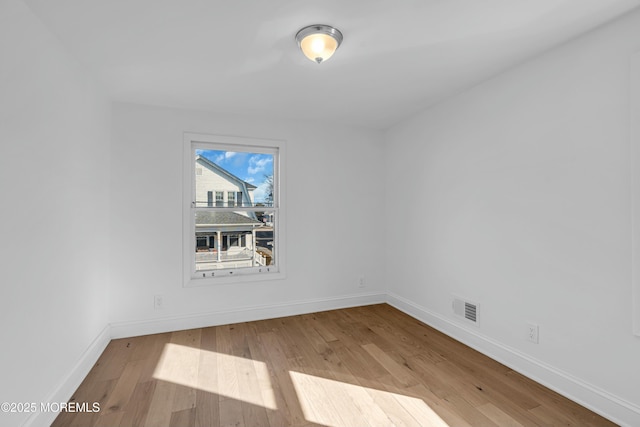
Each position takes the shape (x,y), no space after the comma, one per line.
(232,241)
(201,243)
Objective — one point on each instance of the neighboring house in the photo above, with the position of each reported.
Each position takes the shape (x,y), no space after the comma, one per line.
(224,239)
(218,187)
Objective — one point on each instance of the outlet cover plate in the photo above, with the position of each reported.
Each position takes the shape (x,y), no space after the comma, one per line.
(532,332)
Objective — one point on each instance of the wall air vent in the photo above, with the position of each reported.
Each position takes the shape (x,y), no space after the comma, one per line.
(468,310)
(471,312)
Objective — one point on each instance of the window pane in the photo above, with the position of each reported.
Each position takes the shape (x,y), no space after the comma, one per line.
(265,242)
(244,178)
(236,239)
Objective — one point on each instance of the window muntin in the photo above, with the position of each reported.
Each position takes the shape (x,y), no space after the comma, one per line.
(240,236)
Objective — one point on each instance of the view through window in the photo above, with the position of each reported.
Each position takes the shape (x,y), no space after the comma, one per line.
(234,209)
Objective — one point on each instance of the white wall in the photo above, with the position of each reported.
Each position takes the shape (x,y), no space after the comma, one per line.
(521,190)
(54,165)
(634,117)
(335,192)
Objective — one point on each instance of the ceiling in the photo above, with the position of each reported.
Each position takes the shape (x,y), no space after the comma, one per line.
(239,56)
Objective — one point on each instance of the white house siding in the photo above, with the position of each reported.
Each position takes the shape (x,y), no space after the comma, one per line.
(211,180)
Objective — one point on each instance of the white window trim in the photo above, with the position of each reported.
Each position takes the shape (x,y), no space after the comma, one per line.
(232,143)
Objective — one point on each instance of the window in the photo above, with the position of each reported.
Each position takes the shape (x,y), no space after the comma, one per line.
(239,238)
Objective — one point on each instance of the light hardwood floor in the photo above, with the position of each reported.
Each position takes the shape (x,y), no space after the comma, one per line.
(365,366)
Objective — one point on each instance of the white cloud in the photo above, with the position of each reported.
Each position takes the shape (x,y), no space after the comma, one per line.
(224,156)
(258,164)
(261,193)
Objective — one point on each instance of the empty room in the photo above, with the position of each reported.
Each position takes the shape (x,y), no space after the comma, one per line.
(297,213)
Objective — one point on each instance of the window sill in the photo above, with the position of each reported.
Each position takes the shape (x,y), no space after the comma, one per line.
(224,279)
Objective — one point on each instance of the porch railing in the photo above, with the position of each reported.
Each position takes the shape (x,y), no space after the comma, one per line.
(235,255)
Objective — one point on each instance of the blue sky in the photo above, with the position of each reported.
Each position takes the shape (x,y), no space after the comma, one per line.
(250,167)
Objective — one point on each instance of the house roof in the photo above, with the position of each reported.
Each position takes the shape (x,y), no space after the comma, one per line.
(224,218)
(208,163)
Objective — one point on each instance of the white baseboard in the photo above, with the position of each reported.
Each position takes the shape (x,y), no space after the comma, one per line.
(72,381)
(599,401)
(243,314)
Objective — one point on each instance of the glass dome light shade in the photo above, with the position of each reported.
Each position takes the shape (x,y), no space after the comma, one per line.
(319,42)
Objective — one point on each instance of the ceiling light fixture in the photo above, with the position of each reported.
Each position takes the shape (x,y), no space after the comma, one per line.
(319,42)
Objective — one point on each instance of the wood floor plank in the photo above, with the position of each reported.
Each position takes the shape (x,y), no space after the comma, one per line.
(422,412)
(160,410)
(93,391)
(373,382)
(155,346)
(499,417)
(207,401)
(231,413)
(207,409)
(249,373)
(312,321)
(399,372)
(458,382)
(551,400)
(267,380)
(228,385)
(362,366)
(183,418)
(421,396)
(126,384)
(470,413)
(114,361)
(361,397)
(135,412)
(360,358)
(285,394)
(315,402)
(109,420)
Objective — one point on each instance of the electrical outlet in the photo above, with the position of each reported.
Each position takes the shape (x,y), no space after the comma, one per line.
(361,282)
(158,301)
(532,332)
